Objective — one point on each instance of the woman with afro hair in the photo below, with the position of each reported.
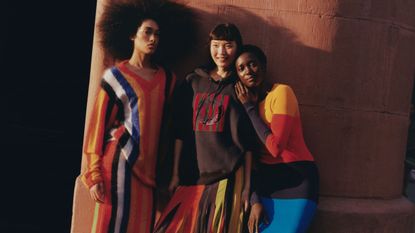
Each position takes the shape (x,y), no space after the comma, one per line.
(130,111)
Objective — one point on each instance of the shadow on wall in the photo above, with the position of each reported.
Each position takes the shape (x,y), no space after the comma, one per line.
(368,89)
(290,61)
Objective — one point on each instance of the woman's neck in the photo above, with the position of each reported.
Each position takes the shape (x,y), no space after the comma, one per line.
(140,60)
(220,73)
(263,89)
(141,65)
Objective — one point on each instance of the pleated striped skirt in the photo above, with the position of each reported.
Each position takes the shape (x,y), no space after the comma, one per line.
(213,208)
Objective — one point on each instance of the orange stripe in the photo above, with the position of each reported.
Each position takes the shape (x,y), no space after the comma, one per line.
(104,215)
(104,210)
(145,84)
(141,209)
(147,208)
(225,108)
(96,127)
(94,139)
(134,214)
(187,198)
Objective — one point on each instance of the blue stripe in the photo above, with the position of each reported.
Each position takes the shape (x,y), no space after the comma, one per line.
(127,199)
(287,215)
(132,97)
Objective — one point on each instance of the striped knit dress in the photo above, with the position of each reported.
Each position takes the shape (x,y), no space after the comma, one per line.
(121,148)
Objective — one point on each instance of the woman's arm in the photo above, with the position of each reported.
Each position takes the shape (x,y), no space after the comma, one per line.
(102,116)
(284,107)
(182,124)
(247,180)
(175,179)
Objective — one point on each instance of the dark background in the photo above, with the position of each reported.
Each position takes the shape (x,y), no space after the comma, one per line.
(45,62)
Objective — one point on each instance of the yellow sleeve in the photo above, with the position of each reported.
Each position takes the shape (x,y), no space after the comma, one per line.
(94,140)
(284,108)
(284,101)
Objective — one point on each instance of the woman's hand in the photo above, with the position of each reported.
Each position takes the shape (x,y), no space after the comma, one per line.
(244,94)
(97,192)
(245,199)
(255,217)
(174,183)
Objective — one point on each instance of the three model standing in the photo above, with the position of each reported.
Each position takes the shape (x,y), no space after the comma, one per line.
(123,138)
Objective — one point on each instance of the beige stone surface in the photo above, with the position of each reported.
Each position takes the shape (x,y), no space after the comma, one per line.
(346,215)
(354,158)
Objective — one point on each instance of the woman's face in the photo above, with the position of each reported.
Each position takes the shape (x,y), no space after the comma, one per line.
(249,69)
(147,37)
(223,52)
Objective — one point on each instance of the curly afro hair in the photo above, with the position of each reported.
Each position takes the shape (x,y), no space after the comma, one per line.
(121,19)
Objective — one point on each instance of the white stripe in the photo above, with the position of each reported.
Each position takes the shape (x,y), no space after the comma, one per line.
(120,92)
(127,148)
(120,192)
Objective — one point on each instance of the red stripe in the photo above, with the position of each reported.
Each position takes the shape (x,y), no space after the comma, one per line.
(187,198)
(144,83)
(209,113)
(202,113)
(105,209)
(195,104)
(225,107)
(218,100)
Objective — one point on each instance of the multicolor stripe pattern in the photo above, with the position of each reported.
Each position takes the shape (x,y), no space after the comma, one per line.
(128,204)
(125,93)
(213,208)
(121,148)
(279,110)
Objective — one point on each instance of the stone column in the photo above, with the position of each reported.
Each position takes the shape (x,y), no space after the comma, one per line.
(83,206)
(352,66)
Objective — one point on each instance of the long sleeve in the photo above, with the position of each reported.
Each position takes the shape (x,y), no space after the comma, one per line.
(260,127)
(183,111)
(102,116)
(284,107)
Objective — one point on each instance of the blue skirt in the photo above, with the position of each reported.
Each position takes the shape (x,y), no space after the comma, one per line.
(287,215)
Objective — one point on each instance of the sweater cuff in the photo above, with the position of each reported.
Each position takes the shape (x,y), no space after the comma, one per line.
(90,179)
(254,198)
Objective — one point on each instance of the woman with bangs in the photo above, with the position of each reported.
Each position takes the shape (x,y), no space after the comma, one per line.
(218,202)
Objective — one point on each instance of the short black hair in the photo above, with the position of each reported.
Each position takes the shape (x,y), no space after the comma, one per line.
(257,52)
(224,31)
